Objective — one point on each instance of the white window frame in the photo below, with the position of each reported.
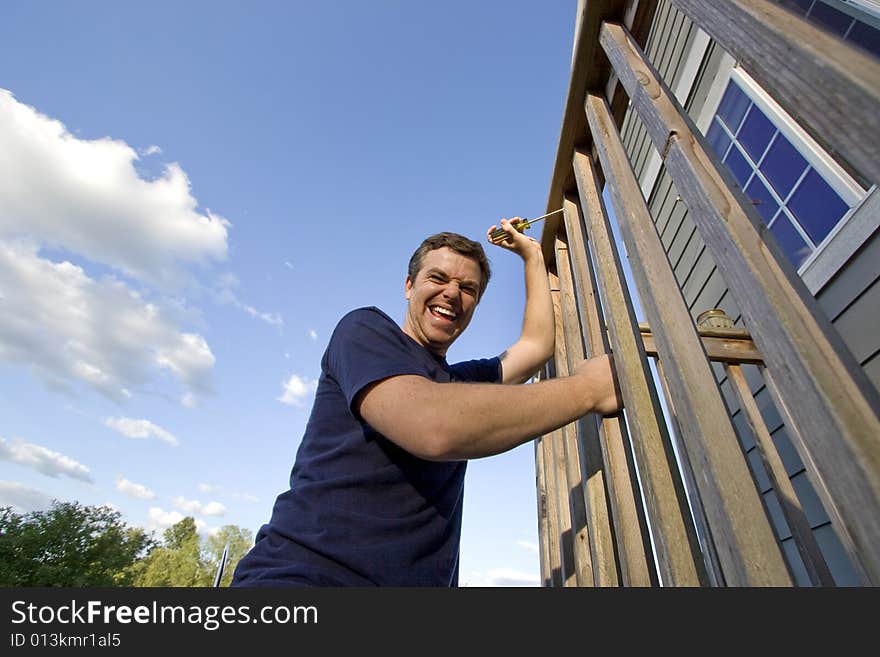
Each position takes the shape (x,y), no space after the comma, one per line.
(854,228)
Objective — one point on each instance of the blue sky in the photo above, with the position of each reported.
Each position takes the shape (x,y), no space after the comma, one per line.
(192,194)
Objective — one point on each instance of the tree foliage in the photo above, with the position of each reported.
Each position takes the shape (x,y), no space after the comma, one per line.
(75,545)
(184,560)
(69,545)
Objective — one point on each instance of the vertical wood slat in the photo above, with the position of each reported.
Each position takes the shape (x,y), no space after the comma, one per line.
(575,560)
(677,550)
(600,537)
(543,515)
(580,532)
(714,571)
(811,553)
(744,541)
(635,557)
(557,561)
(833,409)
(827,85)
(551,501)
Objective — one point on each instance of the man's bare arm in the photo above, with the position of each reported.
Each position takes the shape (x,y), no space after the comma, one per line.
(535,344)
(456,421)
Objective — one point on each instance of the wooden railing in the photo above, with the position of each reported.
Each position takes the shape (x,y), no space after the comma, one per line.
(636,500)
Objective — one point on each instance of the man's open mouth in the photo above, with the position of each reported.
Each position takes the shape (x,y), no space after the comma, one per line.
(444,313)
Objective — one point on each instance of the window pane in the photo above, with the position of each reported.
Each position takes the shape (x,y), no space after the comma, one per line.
(830,18)
(783,165)
(739,166)
(762,199)
(791,242)
(717,138)
(733,106)
(816,206)
(755,133)
(865,36)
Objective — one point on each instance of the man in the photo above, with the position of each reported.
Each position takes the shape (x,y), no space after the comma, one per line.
(376,489)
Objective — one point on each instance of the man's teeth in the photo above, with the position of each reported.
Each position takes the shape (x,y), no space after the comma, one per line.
(444,312)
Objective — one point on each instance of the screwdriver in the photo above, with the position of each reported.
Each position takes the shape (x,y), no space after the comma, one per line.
(497,236)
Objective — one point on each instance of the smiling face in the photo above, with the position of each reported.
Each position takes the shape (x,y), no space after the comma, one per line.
(442,298)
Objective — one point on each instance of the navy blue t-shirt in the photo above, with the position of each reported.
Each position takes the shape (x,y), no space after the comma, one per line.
(360,510)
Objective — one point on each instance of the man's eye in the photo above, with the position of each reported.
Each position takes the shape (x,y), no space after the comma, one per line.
(467,289)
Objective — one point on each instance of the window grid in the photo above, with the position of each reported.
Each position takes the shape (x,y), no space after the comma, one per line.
(755,171)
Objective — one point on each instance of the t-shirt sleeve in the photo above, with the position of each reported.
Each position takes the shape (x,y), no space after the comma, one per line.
(367,347)
(484,370)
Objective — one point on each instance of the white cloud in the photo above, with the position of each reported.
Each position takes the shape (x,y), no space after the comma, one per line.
(86,196)
(313,334)
(52,464)
(528,545)
(134,490)
(189,400)
(296,389)
(209,489)
(151,150)
(161,519)
(498,577)
(69,327)
(288,264)
(194,506)
(23,499)
(139,429)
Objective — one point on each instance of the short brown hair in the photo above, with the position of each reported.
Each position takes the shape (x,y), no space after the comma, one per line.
(459,244)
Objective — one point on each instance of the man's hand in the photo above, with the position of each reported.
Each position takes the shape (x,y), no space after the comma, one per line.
(604,393)
(525,247)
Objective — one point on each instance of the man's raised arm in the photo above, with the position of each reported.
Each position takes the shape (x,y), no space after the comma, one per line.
(535,344)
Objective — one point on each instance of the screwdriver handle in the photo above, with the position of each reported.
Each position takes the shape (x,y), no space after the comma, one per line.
(498,235)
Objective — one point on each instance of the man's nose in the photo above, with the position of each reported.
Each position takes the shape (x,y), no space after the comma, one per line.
(452,290)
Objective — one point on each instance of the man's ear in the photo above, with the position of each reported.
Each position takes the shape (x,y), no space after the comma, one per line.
(407,287)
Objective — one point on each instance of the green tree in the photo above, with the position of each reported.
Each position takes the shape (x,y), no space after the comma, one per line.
(239,541)
(185,560)
(69,545)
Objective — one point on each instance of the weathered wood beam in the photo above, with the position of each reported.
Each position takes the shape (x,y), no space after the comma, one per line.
(833,409)
(576,567)
(543,515)
(827,85)
(635,557)
(678,556)
(589,70)
(600,537)
(721,350)
(747,549)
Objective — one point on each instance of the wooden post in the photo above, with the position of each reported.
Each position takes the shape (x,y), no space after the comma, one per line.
(678,556)
(747,549)
(576,565)
(635,558)
(543,515)
(833,409)
(827,85)
(591,470)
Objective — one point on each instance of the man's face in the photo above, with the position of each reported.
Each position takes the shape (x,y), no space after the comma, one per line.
(441,299)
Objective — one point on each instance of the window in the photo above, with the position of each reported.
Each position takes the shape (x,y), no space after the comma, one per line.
(840,17)
(798,191)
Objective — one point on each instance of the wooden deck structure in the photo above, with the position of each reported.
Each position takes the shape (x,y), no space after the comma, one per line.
(666,498)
